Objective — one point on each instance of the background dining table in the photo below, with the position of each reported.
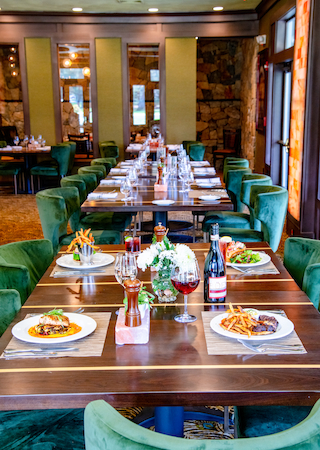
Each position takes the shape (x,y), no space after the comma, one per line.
(174,368)
(144,196)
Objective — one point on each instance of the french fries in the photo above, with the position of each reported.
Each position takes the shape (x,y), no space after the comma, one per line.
(82,237)
(240,322)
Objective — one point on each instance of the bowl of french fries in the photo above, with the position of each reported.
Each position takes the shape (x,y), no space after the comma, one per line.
(83,247)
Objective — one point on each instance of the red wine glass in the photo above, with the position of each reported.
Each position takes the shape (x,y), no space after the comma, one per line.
(186,280)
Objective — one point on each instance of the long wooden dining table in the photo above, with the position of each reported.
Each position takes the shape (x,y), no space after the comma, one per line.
(144,196)
(174,367)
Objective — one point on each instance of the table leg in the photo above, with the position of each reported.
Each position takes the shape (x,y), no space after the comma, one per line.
(160,216)
(169,420)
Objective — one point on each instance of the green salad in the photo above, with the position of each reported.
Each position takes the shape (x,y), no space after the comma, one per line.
(246,257)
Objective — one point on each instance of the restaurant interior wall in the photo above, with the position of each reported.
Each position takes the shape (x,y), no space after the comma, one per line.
(86,28)
(109,87)
(40,88)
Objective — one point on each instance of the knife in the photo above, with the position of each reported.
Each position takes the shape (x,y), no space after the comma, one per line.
(40,350)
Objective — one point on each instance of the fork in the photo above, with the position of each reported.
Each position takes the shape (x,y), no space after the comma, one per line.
(262,348)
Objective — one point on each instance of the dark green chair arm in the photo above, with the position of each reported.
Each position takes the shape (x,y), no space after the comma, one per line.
(15,276)
(311,283)
(10,304)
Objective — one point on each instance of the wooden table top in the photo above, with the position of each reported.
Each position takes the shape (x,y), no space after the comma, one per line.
(143,195)
(23,150)
(174,368)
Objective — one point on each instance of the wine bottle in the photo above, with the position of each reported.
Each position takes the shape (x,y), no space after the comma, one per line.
(215,281)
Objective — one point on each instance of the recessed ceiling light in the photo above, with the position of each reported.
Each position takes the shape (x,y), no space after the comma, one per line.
(153,9)
(218,8)
(76,9)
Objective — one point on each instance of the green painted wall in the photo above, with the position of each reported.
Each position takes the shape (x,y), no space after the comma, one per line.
(181,85)
(109,90)
(40,88)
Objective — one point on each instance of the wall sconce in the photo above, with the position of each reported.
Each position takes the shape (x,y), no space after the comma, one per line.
(86,71)
(67,62)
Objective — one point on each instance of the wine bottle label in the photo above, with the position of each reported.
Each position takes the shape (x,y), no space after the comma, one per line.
(214,237)
(217,287)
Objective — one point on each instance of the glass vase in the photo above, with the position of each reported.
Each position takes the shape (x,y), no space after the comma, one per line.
(163,288)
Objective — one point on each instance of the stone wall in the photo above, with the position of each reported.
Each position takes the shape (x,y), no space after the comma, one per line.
(11,106)
(225,89)
(248,99)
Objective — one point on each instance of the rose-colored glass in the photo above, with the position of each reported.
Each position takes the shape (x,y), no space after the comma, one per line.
(133,244)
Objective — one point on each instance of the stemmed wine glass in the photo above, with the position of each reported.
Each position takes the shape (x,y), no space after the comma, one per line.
(125,188)
(189,179)
(183,173)
(16,140)
(186,279)
(125,267)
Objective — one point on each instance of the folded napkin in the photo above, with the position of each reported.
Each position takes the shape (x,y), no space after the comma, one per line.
(102,195)
(108,182)
(199,163)
(215,180)
(115,170)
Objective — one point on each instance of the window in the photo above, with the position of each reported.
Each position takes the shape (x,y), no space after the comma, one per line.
(144,88)
(75,88)
(290,32)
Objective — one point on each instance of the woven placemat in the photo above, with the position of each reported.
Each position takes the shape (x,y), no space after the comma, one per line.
(196,193)
(221,345)
(91,345)
(59,272)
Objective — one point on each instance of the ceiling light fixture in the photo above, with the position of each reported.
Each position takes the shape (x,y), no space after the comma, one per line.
(153,9)
(77,9)
(218,8)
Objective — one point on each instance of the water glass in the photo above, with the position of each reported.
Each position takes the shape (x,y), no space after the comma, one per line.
(125,267)
(125,188)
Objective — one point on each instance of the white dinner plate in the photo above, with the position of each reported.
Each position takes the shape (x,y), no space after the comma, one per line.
(163,202)
(119,177)
(209,198)
(285,327)
(264,260)
(98,259)
(20,330)
(206,185)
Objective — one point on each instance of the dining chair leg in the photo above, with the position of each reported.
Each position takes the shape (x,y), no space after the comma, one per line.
(23,182)
(38,183)
(194,229)
(32,184)
(15,184)
(205,237)
(226,419)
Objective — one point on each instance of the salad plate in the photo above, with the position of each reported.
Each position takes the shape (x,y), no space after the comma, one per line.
(87,324)
(264,260)
(98,260)
(285,327)
(209,198)
(163,202)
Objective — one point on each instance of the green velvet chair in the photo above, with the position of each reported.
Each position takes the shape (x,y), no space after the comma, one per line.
(8,169)
(196,151)
(90,179)
(302,260)
(96,220)
(233,186)
(56,206)
(232,164)
(22,264)
(42,429)
(104,162)
(10,304)
(109,152)
(99,171)
(73,148)
(232,219)
(106,429)
(270,207)
(56,167)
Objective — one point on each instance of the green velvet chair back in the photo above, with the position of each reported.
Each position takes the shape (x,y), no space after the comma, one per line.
(61,153)
(108,150)
(75,180)
(249,180)
(10,304)
(233,185)
(56,206)
(100,171)
(106,429)
(241,163)
(23,263)
(108,163)
(196,152)
(302,260)
(186,144)
(73,147)
(270,207)
(3,144)
(90,179)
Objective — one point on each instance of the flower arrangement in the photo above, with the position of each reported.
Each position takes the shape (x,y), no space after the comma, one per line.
(163,256)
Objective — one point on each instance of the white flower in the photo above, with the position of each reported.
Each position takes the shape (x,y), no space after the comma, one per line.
(146,257)
(184,256)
